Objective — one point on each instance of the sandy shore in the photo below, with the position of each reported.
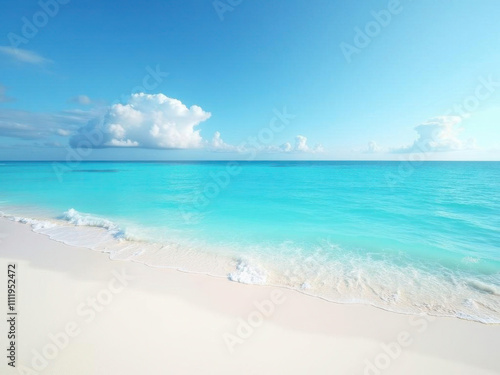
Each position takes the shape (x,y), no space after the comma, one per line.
(80,313)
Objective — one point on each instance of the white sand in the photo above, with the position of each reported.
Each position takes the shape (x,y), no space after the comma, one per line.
(169,322)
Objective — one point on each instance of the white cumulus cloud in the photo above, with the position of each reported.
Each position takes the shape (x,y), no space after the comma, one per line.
(439,134)
(149,121)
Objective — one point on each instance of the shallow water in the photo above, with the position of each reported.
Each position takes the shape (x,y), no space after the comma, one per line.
(408,237)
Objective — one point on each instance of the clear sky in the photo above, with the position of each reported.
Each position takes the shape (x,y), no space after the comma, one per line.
(258,79)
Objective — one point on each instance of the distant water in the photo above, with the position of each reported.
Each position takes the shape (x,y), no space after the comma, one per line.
(406,237)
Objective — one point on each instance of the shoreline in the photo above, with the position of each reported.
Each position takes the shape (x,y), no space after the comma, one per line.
(101,235)
(199,319)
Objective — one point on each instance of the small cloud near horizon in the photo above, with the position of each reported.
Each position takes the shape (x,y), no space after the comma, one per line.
(439,134)
(300,146)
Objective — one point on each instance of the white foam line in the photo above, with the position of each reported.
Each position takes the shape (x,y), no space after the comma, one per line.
(62,231)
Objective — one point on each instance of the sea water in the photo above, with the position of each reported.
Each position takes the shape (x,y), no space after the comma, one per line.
(404,236)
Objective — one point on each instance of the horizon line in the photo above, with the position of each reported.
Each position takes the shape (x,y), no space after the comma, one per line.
(246,161)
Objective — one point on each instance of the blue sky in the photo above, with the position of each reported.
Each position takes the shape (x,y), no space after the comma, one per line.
(252,80)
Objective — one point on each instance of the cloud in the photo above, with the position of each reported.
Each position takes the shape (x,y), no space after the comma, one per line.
(286,147)
(217,144)
(4,98)
(16,130)
(372,148)
(29,125)
(144,121)
(63,132)
(440,134)
(301,143)
(300,146)
(148,121)
(81,99)
(23,55)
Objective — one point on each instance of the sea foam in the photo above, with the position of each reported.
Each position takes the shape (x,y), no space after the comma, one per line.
(345,277)
(82,219)
(248,273)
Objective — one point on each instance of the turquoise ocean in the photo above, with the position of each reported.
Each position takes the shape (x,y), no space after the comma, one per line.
(407,237)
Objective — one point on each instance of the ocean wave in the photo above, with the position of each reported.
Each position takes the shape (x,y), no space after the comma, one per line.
(83,219)
(327,271)
(79,229)
(74,228)
(36,225)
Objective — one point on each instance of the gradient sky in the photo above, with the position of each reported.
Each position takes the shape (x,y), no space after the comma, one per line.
(425,80)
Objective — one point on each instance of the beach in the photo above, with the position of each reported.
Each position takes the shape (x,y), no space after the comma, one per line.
(244,187)
(81,313)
